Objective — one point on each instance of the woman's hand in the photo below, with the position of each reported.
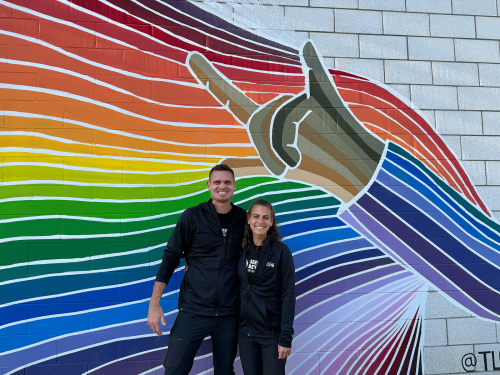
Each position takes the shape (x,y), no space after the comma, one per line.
(283,352)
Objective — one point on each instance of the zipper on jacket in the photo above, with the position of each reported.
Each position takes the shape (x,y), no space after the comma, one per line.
(249,288)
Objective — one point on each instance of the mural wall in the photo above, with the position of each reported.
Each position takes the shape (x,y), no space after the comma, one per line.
(113,112)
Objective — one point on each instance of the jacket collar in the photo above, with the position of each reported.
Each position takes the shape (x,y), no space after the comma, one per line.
(238,214)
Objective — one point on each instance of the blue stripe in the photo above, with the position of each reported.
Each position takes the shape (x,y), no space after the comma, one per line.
(358,255)
(483,270)
(411,168)
(307,214)
(49,328)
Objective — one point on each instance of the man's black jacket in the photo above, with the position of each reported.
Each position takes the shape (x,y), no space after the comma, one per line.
(210,285)
(267,306)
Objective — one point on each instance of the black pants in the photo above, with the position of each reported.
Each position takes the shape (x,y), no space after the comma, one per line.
(186,337)
(260,356)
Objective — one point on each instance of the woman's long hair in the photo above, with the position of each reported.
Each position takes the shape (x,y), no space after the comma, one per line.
(272,232)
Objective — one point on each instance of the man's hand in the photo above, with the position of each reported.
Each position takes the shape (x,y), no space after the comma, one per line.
(283,352)
(155,315)
(155,312)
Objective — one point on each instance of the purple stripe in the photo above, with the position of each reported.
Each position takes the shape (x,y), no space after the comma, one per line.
(75,342)
(424,206)
(193,10)
(342,286)
(348,217)
(416,262)
(339,272)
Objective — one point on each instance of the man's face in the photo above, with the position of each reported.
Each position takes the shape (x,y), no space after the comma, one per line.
(221,185)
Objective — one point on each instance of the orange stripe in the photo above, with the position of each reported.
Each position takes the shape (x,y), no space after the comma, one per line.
(256,87)
(443,163)
(17,49)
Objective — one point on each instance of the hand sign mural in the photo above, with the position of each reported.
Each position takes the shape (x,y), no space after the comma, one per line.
(113,112)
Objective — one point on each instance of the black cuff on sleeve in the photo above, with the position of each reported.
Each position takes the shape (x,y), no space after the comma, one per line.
(165,271)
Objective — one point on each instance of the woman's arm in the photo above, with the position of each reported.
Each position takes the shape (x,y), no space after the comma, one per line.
(287,273)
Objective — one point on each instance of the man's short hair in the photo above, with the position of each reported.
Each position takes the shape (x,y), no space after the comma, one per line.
(221,167)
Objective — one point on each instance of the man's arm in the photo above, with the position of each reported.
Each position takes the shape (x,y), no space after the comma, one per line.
(175,250)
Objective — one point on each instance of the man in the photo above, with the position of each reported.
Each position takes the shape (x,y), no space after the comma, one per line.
(209,237)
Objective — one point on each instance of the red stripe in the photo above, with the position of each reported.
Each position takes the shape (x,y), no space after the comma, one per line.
(375,90)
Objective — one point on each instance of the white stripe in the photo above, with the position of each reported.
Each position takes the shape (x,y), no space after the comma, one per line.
(84,259)
(95,156)
(307,210)
(358,307)
(299,190)
(338,255)
(119,132)
(98,170)
(327,244)
(84,99)
(438,248)
(74,313)
(312,218)
(101,83)
(347,277)
(445,214)
(337,266)
(87,61)
(434,269)
(315,231)
(472,220)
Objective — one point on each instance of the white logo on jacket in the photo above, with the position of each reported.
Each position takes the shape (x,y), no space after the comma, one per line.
(270,264)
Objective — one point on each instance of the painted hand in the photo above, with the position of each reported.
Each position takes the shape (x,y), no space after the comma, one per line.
(311,136)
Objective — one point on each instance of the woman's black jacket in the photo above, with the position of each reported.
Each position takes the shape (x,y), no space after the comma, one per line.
(267,302)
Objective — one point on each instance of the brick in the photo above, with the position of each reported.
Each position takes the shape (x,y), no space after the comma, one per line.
(358,21)
(430,117)
(352,4)
(435,332)
(369,68)
(493,172)
(470,331)
(399,23)
(479,98)
(273,15)
(477,50)
(489,74)
(402,89)
(454,143)
(333,44)
(459,74)
(434,97)
(431,49)
(309,19)
(490,194)
(475,7)
(445,359)
(481,148)
(452,26)
(459,122)
(476,171)
(491,123)
(297,3)
(488,27)
(428,6)
(408,72)
(383,47)
(382,4)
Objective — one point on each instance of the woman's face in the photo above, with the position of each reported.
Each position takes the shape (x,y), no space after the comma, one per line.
(260,220)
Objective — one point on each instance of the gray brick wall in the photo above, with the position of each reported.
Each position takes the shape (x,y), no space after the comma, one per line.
(444,55)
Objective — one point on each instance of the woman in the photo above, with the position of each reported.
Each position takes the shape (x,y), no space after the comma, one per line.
(267,294)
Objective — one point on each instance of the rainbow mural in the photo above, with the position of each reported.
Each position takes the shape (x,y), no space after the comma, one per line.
(114,111)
